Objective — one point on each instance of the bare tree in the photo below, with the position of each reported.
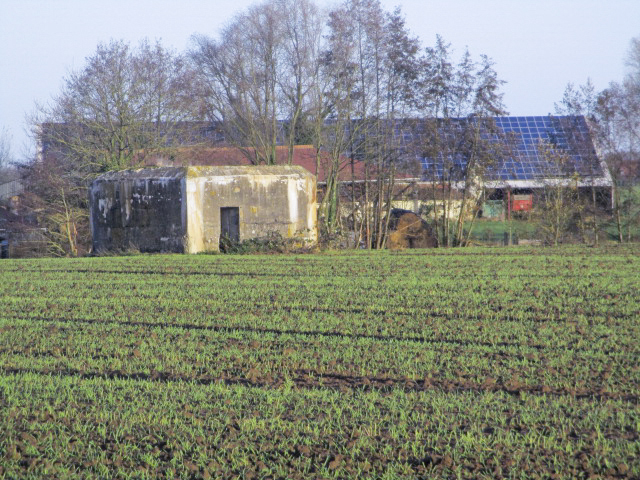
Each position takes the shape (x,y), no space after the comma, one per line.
(258,75)
(373,61)
(619,108)
(56,198)
(459,138)
(482,152)
(616,141)
(335,106)
(270,79)
(582,100)
(558,205)
(302,25)
(614,118)
(5,148)
(125,103)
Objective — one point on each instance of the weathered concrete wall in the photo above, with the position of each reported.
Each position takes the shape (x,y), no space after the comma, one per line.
(178,209)
(270,199)
(139,209)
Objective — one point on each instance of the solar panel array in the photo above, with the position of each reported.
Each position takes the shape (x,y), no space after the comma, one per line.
(531,148)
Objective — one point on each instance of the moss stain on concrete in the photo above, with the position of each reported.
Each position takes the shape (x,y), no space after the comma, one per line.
(178,208)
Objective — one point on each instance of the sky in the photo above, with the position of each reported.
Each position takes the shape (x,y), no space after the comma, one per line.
(538,46)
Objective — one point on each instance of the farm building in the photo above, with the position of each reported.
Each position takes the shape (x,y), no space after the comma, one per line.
(526,155)
(190,209)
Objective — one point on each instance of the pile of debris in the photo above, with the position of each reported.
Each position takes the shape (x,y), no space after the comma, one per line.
(408,230)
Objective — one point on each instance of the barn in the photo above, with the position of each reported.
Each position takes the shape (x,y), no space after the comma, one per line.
(528,156)
(193,209)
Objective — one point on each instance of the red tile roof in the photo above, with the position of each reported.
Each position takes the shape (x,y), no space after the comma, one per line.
(303,155)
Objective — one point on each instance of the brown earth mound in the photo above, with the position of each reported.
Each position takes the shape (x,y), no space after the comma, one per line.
(408,230)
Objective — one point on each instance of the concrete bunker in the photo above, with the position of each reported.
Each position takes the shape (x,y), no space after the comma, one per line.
(189,209)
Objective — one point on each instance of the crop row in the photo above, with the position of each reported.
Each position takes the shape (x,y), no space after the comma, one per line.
(261,357)
(70,427)
(479,363)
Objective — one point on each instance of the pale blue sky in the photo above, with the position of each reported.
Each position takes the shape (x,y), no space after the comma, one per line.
(538,45)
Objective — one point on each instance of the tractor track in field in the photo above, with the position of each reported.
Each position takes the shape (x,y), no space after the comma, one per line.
(312,333)
(334,273)
(308,379)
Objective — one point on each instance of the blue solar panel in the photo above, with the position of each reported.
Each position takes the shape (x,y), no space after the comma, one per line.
(528,158)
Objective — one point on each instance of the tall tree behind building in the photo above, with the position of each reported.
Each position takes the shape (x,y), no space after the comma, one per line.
(5,149)
(619,115)
(458,102)
(373,61)
(126,102)
(614,118)
(259,73)
(582,100)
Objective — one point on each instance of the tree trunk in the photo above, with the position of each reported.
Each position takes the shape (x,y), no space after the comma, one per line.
(595,213)
(616,206)
(366,212)
(69,227)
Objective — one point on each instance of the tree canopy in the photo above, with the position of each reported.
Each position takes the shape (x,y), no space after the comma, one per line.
(281,72)
(124,101)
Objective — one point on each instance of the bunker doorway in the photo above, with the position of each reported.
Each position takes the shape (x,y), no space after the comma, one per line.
(229,227)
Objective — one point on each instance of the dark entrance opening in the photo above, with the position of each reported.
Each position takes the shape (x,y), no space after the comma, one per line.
(4,248)
(229,227)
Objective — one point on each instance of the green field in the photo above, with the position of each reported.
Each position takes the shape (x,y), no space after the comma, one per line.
(459,363)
